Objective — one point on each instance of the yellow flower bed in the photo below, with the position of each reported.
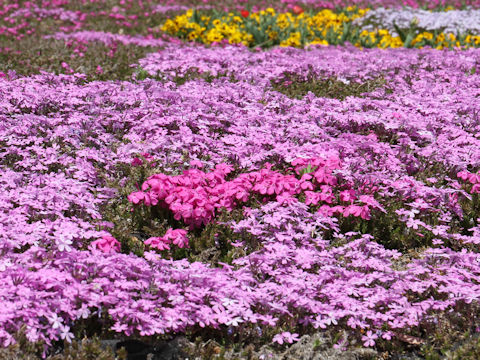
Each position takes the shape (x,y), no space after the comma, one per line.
(268,28)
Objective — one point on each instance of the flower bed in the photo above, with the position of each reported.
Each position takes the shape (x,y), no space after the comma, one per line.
(240,195)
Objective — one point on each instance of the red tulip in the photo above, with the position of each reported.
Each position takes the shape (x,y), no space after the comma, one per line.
(244,13)
(297,10)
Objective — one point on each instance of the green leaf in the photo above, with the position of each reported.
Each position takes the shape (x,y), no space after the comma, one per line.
(346,32)
(400,32)
(409,39)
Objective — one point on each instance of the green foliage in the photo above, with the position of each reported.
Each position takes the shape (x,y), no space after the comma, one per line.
(297,86)
(453,336)
(90,349)
(131,223)
(22,350)
(141,74)
(471,214)
(388,230)
(308,170)
(86,349)
(406,35)
(182,77)
(32,55)
(317,344)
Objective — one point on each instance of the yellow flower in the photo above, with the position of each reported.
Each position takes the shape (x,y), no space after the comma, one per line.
(318,42)
(270,11)
(294,40)
(364,33)
(273,35)
(213,35)
(383,32)
(247,39)
(235,38)
(192,36)
(170,27)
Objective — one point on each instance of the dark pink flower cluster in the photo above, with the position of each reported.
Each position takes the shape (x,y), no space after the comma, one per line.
(472,178)
(194,195)
(107,244)
(177,237)
(146,157)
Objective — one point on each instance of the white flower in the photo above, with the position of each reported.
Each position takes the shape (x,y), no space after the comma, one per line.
(83,312)
(65,334)
(63,243)
(5,264)
(235,321)
(228,302)
(56,321)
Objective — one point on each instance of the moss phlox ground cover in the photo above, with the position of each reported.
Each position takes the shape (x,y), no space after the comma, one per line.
(174,187)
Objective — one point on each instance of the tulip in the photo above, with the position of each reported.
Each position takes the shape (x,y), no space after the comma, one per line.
(297,10)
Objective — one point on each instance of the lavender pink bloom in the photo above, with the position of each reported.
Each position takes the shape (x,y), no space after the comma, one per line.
(309,163)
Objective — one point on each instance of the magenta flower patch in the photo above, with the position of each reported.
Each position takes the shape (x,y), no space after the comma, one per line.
(107,244)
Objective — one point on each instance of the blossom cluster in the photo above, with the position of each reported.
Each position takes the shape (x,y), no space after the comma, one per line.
(194,195)
(429,4)
(361,27)
(452,21)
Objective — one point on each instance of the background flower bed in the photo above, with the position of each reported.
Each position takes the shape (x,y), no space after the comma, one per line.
(377,234)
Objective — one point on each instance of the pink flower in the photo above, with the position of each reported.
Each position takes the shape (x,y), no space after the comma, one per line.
(348,195)
(474,178)
(224,168)
(285,337)
(147,157)
(311,198)
(365,213)
(159,243)
(196,163)
(137,162)
(177,236)
(327,210)
(354,210)
(136,197)
(286,198)
(464,175)
(387,335)
(107,244)
(324,176)
(369,338)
